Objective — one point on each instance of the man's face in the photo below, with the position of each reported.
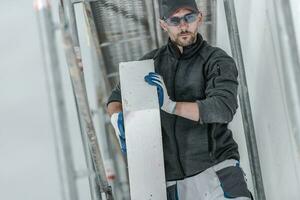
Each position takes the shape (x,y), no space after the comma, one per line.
(185,33)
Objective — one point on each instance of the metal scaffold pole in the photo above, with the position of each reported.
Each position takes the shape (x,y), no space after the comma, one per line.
(77,78)
(70,19)
(290,59)
(248,124)
(158,30)
(57,101)
(119,176)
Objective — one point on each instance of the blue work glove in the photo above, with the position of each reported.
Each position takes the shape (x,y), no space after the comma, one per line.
(117,121)
(165,103)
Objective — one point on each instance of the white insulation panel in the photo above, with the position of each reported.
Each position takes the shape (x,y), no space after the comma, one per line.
(143,132)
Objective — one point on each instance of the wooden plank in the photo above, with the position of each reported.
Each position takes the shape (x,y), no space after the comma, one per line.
(143,132)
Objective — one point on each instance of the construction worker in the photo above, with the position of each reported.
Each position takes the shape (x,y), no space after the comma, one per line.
(197,89)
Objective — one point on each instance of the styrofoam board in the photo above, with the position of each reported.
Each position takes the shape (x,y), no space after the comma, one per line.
(143,132)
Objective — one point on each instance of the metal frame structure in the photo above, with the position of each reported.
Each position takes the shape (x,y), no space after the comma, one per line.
(57,101)
(76,73)
(120,182)
(290,64)
(248,124)
(69,14)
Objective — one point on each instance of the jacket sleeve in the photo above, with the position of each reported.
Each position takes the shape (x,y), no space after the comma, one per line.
(115,95)
(220,103)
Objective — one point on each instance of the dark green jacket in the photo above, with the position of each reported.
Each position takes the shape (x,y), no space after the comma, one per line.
(208,76)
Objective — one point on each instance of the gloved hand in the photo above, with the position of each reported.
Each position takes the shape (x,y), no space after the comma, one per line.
(165,102)
(117,121)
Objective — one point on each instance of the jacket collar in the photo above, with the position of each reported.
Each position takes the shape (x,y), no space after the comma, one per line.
(188,51)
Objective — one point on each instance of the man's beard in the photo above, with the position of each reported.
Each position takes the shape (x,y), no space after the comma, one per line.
(180,41)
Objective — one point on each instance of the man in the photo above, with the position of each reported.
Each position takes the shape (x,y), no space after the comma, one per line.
(197,89)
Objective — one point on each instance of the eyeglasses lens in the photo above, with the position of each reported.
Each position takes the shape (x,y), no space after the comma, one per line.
(188,18)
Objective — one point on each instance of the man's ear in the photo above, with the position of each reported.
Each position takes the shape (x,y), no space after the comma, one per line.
(163,24)
(200,18)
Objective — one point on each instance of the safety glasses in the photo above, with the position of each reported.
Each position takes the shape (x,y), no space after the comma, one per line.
(188,18)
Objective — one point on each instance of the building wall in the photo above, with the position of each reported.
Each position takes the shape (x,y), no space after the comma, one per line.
(276,145)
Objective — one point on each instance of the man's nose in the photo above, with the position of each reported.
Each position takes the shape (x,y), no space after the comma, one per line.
(183,24)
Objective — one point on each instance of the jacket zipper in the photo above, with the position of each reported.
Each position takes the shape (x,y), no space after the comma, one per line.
(178,155)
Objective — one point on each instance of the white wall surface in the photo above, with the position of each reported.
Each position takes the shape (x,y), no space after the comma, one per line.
(28,160)
(277,150)
(28,168)
(295,5)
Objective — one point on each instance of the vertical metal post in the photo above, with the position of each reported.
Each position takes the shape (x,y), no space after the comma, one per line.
(59,112)
(103,86)
(244,100)
(158,30)
(69,14)
(71,20)
(76,74)
(152,23)
(94,189)
(290,64)
(99,116)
